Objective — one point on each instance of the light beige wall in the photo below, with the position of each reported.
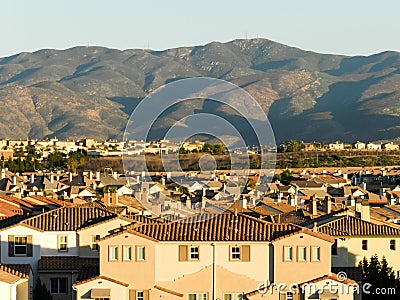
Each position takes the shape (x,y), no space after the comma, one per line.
(202,282)
(170,268)
(350,252)
(140,274)
(300,271)
(118,291)
(22,289)
(5,290)
(101,229)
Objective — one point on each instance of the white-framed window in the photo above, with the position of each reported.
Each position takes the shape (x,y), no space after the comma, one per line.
(141,253)
(62,243)
(194,253)
(302,253)
(139,295)
(315,253)
(287,253)
(113,253)
(289,296)
(20,246)
(235,252)
(58,285)
(197,296)
(233,296)
(93,244)
(126,252)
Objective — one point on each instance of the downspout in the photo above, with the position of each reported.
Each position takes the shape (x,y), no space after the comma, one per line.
(214,277)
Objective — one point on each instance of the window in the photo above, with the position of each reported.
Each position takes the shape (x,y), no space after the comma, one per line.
(233,296)
(141,253)
(364,244)
(127,252)
(289,295)
(194,253)
(20,246)
(62,243)
(58,285)
(102,298)
(93,244)
(113,253)
(235,253)
(139,295)
(334,248)
(197,296)
(392,245)
(287,253)
(316,253)
(302,253)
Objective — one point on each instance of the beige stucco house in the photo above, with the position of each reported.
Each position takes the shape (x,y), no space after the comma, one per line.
(223,256)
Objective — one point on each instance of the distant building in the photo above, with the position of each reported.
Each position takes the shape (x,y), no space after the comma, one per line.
(359,145)
(336,146)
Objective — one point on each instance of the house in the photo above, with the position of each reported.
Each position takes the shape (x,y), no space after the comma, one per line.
(373,146)
(356,238)
(336,146)
(359,145)
(16,281)
(208,256)
(390,147)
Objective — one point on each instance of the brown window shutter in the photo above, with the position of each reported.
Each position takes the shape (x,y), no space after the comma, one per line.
(10,245)
(245,253)
(29,249)
(146,295)
(183,252)
(132,294)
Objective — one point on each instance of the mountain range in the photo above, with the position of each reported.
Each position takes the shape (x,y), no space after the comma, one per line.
(91,91)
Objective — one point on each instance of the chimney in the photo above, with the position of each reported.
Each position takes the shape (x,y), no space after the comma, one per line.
(143,174)
(203,192)
(107,199)
(115,175)
(90,175)
(138,179)
(328,205)
(114,198)
(98,175)
(313,206)
(243,202)
(32,178)
(70,176)
(94,185)
(365,213)
(188,202)
(280,197)
(345,176)
(296,195)
(3,173)
(168,175)
(315,227)
(364,185)
(163,181)
(14,180)
(51,178)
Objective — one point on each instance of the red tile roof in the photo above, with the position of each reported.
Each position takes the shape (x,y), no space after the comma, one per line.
(216,227)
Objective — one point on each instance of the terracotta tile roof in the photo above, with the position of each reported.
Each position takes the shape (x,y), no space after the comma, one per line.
(331,277)
(354,273)
(101,277)
(20,270)
(279,206)
(87,272)
(11,221)
(352,226)
(73,263)
(69,218)
(216,227)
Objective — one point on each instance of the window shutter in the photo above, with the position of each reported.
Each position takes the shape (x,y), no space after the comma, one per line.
(245,253)
(10,245)
(29,248)
(132,294)
(146,295)
(183,252)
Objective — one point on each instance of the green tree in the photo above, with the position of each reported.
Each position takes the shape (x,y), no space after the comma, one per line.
(40,292)
(379,275)
(285,177)
(183,190)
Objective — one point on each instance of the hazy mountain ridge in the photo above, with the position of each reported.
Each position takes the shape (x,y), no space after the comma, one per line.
(90,91)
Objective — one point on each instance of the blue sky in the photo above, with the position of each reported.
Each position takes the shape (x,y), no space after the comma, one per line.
(343,27)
